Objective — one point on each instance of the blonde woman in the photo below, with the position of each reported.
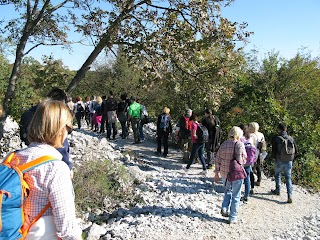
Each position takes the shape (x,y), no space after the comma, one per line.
(229,149)
(50,182)
(164,129)
(260,144)
(97,116)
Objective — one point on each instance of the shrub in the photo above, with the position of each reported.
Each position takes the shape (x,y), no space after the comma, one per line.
(103,185)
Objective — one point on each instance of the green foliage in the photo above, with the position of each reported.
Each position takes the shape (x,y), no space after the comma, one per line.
(5,69)
(280,91)
(95,181)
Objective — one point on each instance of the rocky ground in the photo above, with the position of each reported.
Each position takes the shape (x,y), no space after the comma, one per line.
(179,206)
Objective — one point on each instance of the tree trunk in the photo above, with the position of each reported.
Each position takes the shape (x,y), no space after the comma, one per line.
(12,81)
(104,41)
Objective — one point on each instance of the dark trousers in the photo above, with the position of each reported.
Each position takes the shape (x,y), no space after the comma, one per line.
(135,123)
(124,128)
(78,117)
(114,130)
(103,122)
(197,148)
(162,136)
(208,146)
(256,167)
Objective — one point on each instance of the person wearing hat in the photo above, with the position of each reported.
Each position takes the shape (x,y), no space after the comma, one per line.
(164,129)
(183,134)
(134,113)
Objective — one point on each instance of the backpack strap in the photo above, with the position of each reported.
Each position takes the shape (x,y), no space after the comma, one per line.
(37,162)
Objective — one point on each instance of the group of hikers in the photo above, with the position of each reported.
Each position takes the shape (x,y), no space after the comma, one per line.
(101,114)
(49,210)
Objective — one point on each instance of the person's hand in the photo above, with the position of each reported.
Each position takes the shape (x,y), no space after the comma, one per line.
(216,177)
(71,174)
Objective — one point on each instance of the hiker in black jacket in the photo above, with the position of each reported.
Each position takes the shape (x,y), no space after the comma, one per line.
(164,129)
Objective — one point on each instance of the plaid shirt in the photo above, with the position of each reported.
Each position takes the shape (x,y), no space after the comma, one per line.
(225,155)
(50,182)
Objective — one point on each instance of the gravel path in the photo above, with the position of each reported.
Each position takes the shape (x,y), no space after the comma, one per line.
(180,206)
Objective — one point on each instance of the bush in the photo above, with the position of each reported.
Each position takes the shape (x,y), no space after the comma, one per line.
(102,185)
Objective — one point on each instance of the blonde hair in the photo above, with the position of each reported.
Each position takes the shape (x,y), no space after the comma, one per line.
(254,127)
(166,110)
(99,100)
(51,116)
(235,133)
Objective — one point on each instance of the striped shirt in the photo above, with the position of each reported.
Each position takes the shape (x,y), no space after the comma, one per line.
(225,155)
(50,182)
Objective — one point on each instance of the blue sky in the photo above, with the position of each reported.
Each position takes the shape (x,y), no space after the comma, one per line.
(284,26)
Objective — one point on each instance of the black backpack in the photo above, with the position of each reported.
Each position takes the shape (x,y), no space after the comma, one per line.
(80,108)
(202,134)
(286,148)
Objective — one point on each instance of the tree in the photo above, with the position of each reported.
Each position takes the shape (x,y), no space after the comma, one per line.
(39,24)
(159,34)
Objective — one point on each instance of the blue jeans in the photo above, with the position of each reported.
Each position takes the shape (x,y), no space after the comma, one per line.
(286,167)
(232,194)
(247,182)
(197,148)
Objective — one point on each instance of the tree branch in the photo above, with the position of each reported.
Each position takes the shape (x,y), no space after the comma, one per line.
(173,10)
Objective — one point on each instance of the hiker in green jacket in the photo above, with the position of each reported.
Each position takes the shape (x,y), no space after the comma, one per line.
(134,113)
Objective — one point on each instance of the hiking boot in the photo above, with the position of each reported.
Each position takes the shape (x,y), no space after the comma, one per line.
(289,200)
(244,199)
(224,213)
(210,166)
(275,192)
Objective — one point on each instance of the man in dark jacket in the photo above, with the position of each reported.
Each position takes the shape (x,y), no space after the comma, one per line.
(284,151)
(55,94)
(111,107)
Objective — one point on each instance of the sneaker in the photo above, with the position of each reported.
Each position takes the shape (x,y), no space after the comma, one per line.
(158,153)
(186,170)
(204,172)
(289,200)
(232,221)
(275,192)
(224,213)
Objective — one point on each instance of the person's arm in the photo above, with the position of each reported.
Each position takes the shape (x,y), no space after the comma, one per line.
(170,125)
(241,154)
(194,127)
(62,203)
(274,148)
(217,166)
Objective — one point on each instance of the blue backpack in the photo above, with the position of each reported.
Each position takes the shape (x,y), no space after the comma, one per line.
(13,194)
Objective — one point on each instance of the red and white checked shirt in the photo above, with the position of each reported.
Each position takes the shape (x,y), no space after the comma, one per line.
(225,155)
(50,182)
